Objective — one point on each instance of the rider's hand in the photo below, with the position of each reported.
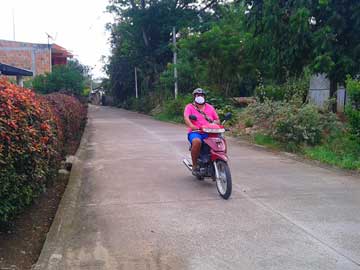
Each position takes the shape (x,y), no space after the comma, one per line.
(217,122)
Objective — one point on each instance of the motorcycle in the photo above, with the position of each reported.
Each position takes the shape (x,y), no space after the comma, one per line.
(213,160)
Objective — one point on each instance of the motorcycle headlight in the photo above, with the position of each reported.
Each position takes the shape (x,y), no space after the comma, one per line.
(214,130)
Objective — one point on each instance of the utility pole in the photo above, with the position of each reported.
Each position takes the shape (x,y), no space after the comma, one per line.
(13,15)
(136,85)
(175,59)
(49,47)
(90,78)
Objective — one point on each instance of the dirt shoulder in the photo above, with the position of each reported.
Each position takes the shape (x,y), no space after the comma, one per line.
(21,242)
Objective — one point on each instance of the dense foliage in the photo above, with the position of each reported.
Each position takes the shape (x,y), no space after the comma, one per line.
(299,127)
(70,78)
(33,132)
(217,59)
(231,48)
(353,107)
(70,116)
(291,122)
(141,37)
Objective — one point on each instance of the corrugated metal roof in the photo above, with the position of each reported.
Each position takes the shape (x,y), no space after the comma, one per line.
(14,71)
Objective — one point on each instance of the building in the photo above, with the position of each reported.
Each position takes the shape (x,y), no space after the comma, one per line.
(37,58)
(59,55)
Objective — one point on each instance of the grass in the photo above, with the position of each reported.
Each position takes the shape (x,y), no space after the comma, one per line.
(342,152)
(167,118)
(326,155)
(266,140)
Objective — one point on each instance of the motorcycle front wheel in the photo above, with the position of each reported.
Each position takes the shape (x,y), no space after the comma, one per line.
(223,182)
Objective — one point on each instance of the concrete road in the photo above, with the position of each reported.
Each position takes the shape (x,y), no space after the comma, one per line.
(131,204)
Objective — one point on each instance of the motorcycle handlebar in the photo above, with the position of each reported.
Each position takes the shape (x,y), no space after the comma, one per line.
(200,130)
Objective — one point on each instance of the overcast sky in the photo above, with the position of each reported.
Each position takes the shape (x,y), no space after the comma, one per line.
(77,25)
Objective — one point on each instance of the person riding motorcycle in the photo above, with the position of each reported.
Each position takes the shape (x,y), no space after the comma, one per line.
(205,114)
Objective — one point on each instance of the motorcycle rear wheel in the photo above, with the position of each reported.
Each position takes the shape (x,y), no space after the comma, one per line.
(224,183)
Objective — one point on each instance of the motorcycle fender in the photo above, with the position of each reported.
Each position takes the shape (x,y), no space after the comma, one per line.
(218,155)
(216,144)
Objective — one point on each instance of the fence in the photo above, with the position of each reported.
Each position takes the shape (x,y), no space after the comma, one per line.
(319,92)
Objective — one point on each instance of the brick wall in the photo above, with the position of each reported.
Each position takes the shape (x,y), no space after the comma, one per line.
(30,56)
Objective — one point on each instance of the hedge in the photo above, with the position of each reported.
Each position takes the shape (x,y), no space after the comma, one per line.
(33,132)
(70,116)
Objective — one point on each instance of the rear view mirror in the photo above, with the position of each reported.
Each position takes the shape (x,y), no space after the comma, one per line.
(192,117)
(228,116)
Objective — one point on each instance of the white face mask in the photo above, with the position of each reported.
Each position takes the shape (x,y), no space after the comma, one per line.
(200,100)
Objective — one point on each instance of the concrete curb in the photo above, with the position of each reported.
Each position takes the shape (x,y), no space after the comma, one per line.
(51,253)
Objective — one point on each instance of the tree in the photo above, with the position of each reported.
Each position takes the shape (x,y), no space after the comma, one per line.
(141,36)
(336,39)
(281,37)
(290,35)
(70,77)
(218,59)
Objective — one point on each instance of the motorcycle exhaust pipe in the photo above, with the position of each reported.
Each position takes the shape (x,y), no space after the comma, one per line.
(187,164)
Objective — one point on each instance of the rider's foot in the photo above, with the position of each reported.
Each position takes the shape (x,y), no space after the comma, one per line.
(196,172)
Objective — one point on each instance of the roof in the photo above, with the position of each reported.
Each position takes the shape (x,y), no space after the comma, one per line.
(21,44)
(55,48)
(14,71)
(60,50)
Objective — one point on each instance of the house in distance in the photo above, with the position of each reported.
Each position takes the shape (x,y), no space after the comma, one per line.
(32,57)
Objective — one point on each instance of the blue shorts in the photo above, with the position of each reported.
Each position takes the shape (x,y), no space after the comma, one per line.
(194,135)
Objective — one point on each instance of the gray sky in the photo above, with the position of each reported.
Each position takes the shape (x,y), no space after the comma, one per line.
(77,25)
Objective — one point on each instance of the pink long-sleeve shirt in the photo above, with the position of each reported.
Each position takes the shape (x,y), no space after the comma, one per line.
(201,121)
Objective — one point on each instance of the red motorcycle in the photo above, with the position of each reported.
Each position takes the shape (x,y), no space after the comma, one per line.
(213,160)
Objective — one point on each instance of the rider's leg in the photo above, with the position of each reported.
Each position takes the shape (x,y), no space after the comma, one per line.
(195,151)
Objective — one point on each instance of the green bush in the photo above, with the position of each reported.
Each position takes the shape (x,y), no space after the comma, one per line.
(173,109)
(249,122)
(272,92)
(263,113)
(64,77)
(293,122)
(353,108)
(301,125)
(144,104)
(298,127)
(228,109)
(170,109)
(86,92)
(292,88)
(219,101)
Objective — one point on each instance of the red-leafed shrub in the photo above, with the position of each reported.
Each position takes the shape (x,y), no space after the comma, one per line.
(71,115)
(33,131)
